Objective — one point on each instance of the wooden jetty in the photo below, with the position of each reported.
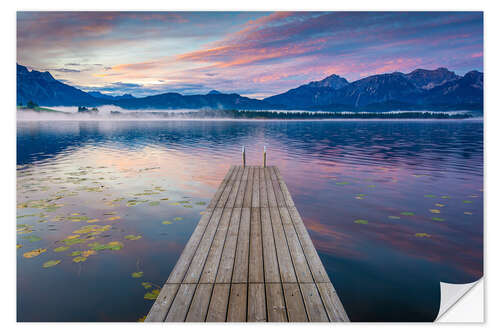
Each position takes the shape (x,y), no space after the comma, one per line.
(250,258)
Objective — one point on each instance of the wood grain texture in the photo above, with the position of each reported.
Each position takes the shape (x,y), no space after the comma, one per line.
(250,258)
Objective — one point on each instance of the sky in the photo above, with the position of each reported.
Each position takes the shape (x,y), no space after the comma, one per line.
(255,54)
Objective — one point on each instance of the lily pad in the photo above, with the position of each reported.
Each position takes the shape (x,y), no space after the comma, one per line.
(177,218)
(166,222)
(439,205)
(439,219)
(146,285)
(361,221)
(407,213)
(79,259)
(154,203)
(61,248)
(115,246)
(342,183)
(133,237)
(429,196)
(93,220)
(422,234)
(467,213)
(201,203)
(393,217)
(18,246)
(467,201)
(137,275)
(75,253)
(152,295)
(32,238)
(435,211)
(112,218)
(34,253)
(50,263)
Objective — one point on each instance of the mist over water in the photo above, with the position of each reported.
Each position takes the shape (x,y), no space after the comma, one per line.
(417,185)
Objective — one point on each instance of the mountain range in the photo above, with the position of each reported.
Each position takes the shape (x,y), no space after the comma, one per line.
(421,89)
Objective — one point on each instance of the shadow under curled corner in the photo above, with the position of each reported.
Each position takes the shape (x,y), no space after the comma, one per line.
(453,294)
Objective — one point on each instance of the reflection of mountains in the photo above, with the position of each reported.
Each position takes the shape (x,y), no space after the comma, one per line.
(417,145)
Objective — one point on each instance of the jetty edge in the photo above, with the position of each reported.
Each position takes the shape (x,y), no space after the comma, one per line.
(250,258)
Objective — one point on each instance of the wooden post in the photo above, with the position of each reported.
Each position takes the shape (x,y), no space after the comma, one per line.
(264,156)
(243,155)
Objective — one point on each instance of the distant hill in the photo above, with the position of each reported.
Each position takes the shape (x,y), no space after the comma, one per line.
(98,94)
(419,90)
(43,89)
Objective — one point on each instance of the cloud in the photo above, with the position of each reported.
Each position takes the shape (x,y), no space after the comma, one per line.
(64,70)
(257,53)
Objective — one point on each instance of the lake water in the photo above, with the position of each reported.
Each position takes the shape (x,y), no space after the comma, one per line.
(393,208)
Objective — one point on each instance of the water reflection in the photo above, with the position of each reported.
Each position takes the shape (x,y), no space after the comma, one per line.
(337,171)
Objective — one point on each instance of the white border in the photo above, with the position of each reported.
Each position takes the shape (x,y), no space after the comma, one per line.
(8,141)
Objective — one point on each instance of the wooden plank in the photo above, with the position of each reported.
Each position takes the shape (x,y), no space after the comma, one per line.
(163,302)
(332,303)
(221,188)
(214,255)
(280,200)
(256,188)
(241,189)
(237,308)
(271,197)
(255,263)
(276,310)
(299,260)
(231,200)
(317,269)
(225,271)
(240,271)
(313,303)
(227,189)
(180,306)
(218,304)
(262,188)
(182,265)
(199,305)
(294,304)
(247,200)
(287,271)
(196,265)
(271,269)
(284,189)
(256,302)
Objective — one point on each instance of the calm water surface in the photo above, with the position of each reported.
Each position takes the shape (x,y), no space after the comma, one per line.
(393,207)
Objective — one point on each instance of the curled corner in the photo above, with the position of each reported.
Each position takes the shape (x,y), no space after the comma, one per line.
(451,293)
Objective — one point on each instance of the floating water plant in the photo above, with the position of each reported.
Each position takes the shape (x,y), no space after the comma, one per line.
(393,217)
(34,253)
(422,234)
(146,285)
(79,259)
(361,221)
(435,211)
(137,275)
(439,219)
(407,213)
(61,248)
(152,295)
(133,237)
(50,263)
